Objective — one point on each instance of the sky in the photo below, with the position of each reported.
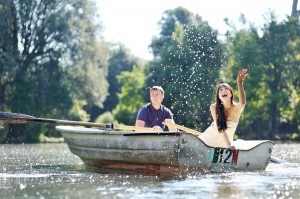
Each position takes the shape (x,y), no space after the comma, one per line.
(134,22)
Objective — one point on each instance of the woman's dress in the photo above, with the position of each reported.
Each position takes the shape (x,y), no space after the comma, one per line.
(212,137)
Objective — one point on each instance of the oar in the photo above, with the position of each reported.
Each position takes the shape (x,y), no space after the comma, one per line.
(18,118)
(188,130)
(276,160)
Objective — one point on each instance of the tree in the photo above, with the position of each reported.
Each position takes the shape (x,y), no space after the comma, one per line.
(48,40)
(280,43)
(119,60)
(167,25)
(274,67)
(295,12)
(131,95)
(8,49)
(244,51)
(88,63)
(187,67)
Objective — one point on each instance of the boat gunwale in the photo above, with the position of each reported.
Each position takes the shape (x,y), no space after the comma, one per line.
(91,131)
(82,130)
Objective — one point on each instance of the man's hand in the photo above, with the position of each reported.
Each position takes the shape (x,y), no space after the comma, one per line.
(168,121)
(157,128)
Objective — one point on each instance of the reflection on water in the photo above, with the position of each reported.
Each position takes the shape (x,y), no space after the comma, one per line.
(51,171)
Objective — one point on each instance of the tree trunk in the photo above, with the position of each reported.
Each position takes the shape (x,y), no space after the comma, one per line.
(295,12)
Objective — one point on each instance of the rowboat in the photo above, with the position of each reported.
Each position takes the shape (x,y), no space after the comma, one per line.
(162,152)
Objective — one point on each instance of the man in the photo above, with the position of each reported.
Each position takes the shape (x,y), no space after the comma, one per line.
(154,114)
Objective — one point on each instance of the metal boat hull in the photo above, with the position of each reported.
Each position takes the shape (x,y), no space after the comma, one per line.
(162,152)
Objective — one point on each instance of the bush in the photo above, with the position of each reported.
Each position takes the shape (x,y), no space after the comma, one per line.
(106,117)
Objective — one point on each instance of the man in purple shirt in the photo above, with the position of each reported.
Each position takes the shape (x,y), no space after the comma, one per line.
(154,114)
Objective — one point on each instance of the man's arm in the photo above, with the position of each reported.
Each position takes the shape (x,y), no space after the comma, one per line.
(139,123)
(141,117)
(170,127)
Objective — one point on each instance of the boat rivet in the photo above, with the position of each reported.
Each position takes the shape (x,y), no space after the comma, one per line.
(183,140)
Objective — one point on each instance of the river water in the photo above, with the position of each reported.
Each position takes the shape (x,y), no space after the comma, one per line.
(52,171)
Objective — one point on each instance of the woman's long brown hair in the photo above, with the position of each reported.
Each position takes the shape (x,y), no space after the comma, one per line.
(220,111)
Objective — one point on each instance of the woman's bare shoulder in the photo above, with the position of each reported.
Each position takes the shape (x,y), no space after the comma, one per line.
(213,106)
(239,106)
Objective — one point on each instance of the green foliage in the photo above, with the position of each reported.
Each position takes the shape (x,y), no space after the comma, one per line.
(167,25)
(245,52)
(274,76)
(78,111)
(88,67)
(188,69)
(54,64)
(8,50)
(106,117)
(294,136)
(131,97)
(4,130)
(50,59)
(120,60)
(279,43)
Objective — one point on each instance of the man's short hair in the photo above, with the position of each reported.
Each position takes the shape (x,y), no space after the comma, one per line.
(157,88)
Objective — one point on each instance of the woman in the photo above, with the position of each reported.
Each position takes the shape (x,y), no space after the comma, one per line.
(226,114)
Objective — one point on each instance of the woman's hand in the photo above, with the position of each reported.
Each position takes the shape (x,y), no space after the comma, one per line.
(242,95)
(242,75)
(232,147)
